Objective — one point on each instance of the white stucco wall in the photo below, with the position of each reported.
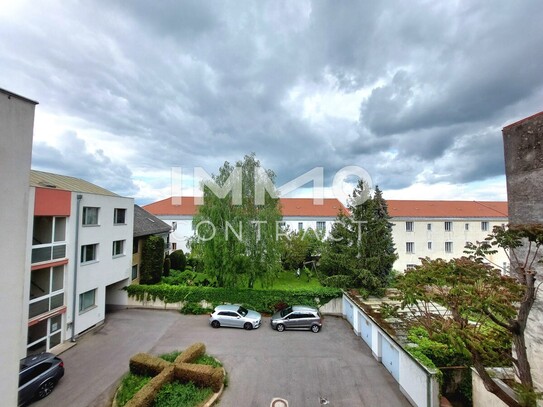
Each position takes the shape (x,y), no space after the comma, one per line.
(420,236)
(16,128)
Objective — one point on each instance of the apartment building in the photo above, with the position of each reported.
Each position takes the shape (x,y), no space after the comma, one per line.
(80,254)
(440,229)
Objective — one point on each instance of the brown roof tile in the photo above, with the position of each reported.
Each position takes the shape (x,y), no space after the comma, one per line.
(447,209)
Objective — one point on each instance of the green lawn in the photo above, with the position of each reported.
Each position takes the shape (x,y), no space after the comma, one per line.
(287,280)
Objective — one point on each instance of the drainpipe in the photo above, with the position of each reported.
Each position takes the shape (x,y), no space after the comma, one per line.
(76,262)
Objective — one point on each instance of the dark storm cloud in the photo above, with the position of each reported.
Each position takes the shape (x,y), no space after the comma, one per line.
(198,83)
(98,168)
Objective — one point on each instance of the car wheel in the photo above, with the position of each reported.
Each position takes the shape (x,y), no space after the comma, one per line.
(45,389)
(315,328)
(215,324)
(248,326)
(280,327)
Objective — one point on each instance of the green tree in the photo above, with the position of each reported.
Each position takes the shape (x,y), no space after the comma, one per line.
(360,251)
(483,307)
(152,260)
(238,243)
(299,247)
(178,260)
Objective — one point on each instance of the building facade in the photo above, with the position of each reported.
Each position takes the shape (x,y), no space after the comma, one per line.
(16,128)
(81,246)
(441,229)
(523,145)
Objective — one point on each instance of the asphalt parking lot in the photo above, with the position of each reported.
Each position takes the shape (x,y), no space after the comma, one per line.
(299,366)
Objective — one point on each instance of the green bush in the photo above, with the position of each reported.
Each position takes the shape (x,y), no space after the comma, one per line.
(178,260)
(152,260)
(167,266)
(130,385)
(189,278)
(194,308)
(260,300)
(181,395)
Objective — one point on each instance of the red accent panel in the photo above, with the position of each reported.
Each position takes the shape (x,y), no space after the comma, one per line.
(50,264)
(52,202)
(50,314)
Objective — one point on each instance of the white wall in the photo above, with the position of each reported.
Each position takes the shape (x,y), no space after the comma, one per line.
(107,269)
(416,382)
(438,236)
(16,127)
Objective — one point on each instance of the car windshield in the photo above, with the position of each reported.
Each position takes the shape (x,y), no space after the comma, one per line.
(242,311)
(286,311)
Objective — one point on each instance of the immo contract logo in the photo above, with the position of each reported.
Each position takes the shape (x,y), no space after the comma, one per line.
(199,178)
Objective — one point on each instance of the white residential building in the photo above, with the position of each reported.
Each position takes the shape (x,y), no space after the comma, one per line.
(16,128)
(81,258)
(440,229)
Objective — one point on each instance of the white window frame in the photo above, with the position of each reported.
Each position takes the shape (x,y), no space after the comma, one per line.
(448,226)
(116,212)
(321,226)
(82,298)
(429,227)
(484,226)
(409,226)
(410,247)
(466,227)
(51,293)
(120,253)
(86,218)
(84,253)
(429,246)
(448,247)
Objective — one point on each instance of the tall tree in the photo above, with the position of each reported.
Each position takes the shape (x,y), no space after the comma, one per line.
(484,307)
(360,251)
(237,242)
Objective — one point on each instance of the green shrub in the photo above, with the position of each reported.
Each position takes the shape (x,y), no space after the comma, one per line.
(130,385)
(189,278)
(167,266)
(194,308)
(192,353)
(152,260)
(178,260)
(260,300)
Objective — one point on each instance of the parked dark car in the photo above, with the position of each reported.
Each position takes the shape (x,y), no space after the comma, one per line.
(38,376)
(297,317)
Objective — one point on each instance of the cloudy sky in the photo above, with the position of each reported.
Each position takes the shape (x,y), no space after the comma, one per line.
(416,93)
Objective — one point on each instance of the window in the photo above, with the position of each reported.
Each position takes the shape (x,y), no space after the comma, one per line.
(300,226)
(321,226)
(428,226)
(174,226)
(410,247)
(484,226)
(448,247)
(429,245)
(46,290)
(119,216)
(174,246)
(90,216)
(89,253)
(118,248)
(135,247)
(87,300)
(134,272)
(448,226)
(466,226)
(408,226)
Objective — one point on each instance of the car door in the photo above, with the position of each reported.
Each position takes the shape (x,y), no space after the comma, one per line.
(224,318)
(293,320)
(305,320)
(237,320)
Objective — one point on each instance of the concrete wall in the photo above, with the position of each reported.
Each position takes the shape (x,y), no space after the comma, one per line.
(16,129)
(420,236)
(481,397)
(416,382)
(523,144)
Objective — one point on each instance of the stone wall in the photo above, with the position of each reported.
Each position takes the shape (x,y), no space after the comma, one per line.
(523,144)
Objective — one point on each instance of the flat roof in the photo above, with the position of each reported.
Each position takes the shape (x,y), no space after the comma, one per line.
(11,94)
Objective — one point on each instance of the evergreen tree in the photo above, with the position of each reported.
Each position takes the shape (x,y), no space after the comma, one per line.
(360,251)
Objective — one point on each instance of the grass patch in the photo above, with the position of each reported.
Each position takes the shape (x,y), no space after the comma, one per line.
(130,385)
(287,280)
(181,395)
(173,394)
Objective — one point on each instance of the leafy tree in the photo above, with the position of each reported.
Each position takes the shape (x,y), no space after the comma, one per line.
(360,251)
(298,247)
(483,307)
(152,258)
(178,260)
(237,243)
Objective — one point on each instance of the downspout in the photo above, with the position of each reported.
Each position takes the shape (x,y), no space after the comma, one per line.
(76,262)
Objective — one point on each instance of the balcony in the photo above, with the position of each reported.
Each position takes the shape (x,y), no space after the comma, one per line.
(48,252)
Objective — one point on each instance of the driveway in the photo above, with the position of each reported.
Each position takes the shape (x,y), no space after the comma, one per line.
(262,364)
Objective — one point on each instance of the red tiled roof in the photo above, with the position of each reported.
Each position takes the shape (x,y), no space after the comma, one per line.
(290,207)
(447,209)
(523,120)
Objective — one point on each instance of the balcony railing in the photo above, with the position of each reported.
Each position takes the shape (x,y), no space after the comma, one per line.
(48,252)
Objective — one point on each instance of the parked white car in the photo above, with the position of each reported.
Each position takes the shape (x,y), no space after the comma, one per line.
(235,316)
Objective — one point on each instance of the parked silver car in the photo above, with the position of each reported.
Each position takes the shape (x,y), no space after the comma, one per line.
(297,317)
(38,375)
(235,316)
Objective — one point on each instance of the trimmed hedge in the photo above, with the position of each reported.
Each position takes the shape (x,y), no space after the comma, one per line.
(144,364)
(192,353)
(201,375)
(259,300)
